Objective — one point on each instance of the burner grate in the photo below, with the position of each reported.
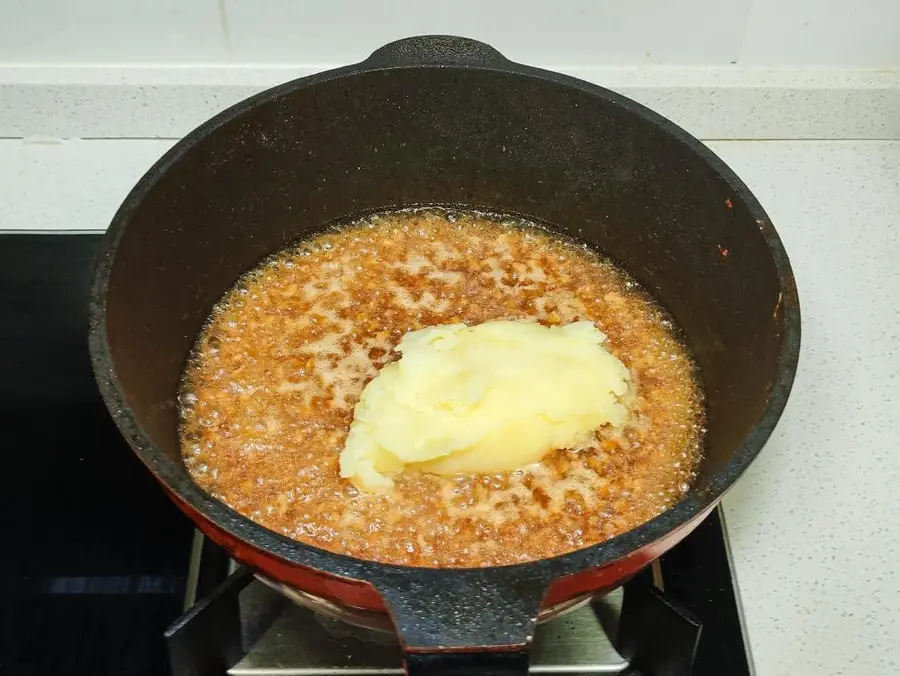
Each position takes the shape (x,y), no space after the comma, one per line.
(247,627)
(301,642)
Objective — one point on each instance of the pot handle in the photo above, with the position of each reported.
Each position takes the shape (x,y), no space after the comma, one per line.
(436,50)
(466,621)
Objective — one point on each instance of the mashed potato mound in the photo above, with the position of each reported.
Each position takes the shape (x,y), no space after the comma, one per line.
(483,399)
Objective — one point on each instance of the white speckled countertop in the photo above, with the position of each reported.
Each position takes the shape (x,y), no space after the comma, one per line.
(814,526)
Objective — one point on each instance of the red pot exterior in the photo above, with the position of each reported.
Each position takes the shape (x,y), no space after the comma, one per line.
(360,594)
(355,593)
(606,578)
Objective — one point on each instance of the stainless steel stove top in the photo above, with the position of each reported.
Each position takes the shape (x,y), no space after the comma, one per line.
(301,642)
(242,625)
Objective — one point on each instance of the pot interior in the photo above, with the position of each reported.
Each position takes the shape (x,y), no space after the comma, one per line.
(307,155)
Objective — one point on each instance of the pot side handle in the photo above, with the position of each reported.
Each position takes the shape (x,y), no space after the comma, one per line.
(477,622)
(436,50)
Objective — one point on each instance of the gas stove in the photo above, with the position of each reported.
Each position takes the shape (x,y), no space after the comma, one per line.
(678,617)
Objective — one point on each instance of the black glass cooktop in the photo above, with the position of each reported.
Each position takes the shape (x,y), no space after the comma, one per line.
(94,556)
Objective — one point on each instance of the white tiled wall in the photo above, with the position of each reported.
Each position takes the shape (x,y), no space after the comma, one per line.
(828,33)
(557,31)
(789,33)
(110,31)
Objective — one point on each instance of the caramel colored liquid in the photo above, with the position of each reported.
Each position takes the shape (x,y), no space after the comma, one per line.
(268,396)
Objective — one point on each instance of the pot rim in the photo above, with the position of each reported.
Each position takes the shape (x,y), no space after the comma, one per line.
(171,474)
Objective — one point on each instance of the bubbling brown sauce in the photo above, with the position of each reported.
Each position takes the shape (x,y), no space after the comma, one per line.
(268,394)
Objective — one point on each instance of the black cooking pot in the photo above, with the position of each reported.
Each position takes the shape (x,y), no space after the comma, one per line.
(442,120)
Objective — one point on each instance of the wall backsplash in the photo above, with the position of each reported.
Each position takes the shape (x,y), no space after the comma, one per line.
(710,33)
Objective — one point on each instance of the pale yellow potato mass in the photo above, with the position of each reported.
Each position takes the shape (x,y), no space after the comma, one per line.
(483,399)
